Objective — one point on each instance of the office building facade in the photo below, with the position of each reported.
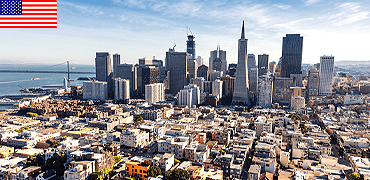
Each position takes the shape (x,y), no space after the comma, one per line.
(326,75)
(292,54)
(176,65)
(95,90)
(313,82)
(154,93)
(189,96)
(241,88)
(263,63)
(122,89)
(217,60)
(128,71)
(103,69)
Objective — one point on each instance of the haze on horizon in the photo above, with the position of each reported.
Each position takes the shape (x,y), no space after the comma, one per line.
(146,28)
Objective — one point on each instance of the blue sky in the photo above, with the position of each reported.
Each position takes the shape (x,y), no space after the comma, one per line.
(138,28)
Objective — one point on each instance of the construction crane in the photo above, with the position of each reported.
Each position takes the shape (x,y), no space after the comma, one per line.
(191,32)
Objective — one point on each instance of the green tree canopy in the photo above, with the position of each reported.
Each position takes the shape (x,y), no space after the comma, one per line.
(154,171)
(177,174)
(117,159)
(356,176)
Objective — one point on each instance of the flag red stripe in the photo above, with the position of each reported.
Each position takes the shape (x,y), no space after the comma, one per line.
(28,23)
(28,26)
(41,5)
(39,0)
(39,9)
(28,18)
(39,13)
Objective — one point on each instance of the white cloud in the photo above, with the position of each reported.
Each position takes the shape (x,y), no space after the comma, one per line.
(310,2)
(348,13)
(282,6)
(85,9)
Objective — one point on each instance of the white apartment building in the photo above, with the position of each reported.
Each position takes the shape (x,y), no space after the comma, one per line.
(134,138)
(122,89)
(173,146)
(326,74)
(217,88)
(154,93)
(189,96)
(95,90)
(76,173)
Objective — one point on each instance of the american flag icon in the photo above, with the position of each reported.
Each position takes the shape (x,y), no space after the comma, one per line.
(28,13)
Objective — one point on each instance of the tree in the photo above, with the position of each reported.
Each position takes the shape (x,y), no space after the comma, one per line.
(31,114)
(139,120)
(177,174)
(356,176)
(117,159)
(177,161)
(212,155)
(154,171)
(95,175)
(54,144)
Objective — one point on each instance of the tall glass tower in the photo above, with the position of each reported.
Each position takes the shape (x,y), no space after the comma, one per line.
(292,54)
(190,44)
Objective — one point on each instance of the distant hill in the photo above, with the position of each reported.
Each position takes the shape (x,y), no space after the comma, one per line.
(351,63)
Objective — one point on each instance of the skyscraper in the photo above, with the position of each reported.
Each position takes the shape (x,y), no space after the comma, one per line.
(190,44)
(176,65)
(103,66)
(313,82)
(103,69)
(240,95)
(150,75)
(263,64)
(217,60)
(272,67)
(251,61)
(292,54)
(326,75)
(128,71)
(253,84)
(116,61)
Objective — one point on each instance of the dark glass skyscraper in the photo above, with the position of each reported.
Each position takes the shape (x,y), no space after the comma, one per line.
(292,54)
(190,44)
(176,65)
(103,69)
(263,64)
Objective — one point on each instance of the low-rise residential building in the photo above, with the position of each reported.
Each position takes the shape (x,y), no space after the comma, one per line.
(173,145)
(134,138)
(138,168)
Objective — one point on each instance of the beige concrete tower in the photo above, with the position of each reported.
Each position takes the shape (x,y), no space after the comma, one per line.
(241,86)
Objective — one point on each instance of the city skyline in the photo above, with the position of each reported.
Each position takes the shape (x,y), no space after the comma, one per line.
(145,28)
